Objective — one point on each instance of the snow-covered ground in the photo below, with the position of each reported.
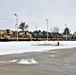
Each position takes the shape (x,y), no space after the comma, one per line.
(33,46)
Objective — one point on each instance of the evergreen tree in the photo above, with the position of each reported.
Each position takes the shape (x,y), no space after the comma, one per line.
(66,31)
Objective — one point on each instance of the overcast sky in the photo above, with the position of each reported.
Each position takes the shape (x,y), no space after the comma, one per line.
(35,12)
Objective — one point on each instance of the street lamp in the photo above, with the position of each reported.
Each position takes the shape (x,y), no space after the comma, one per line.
(47,29)
(16,24)
(35,28)
(66,31)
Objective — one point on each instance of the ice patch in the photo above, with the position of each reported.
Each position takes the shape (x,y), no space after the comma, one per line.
(27,61)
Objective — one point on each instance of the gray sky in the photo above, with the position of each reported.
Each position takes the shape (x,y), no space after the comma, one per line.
(34,13)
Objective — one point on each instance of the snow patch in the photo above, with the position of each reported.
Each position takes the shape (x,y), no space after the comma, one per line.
(22,47)
(10,61)
(14,60)
(27,61)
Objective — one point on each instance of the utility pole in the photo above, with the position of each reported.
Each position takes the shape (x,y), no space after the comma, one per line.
(47,29)
(16,25)
(66,32)
(35,28)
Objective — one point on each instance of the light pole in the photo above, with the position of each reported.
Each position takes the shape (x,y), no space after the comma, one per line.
(15,31)
(16,24)
(47,29)
(66,31)
(35,28)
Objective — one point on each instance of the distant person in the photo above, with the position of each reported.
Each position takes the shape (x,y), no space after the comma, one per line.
(58,43)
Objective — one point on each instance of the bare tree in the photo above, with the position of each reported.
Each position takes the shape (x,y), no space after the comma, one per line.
(23,27)
(55,29)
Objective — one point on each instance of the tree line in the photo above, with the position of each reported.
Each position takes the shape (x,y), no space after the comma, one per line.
(24,33)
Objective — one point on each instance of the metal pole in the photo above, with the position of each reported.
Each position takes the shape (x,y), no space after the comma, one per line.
(66,31)
(47,29)
(15,31)
(35,28)
(17,24)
